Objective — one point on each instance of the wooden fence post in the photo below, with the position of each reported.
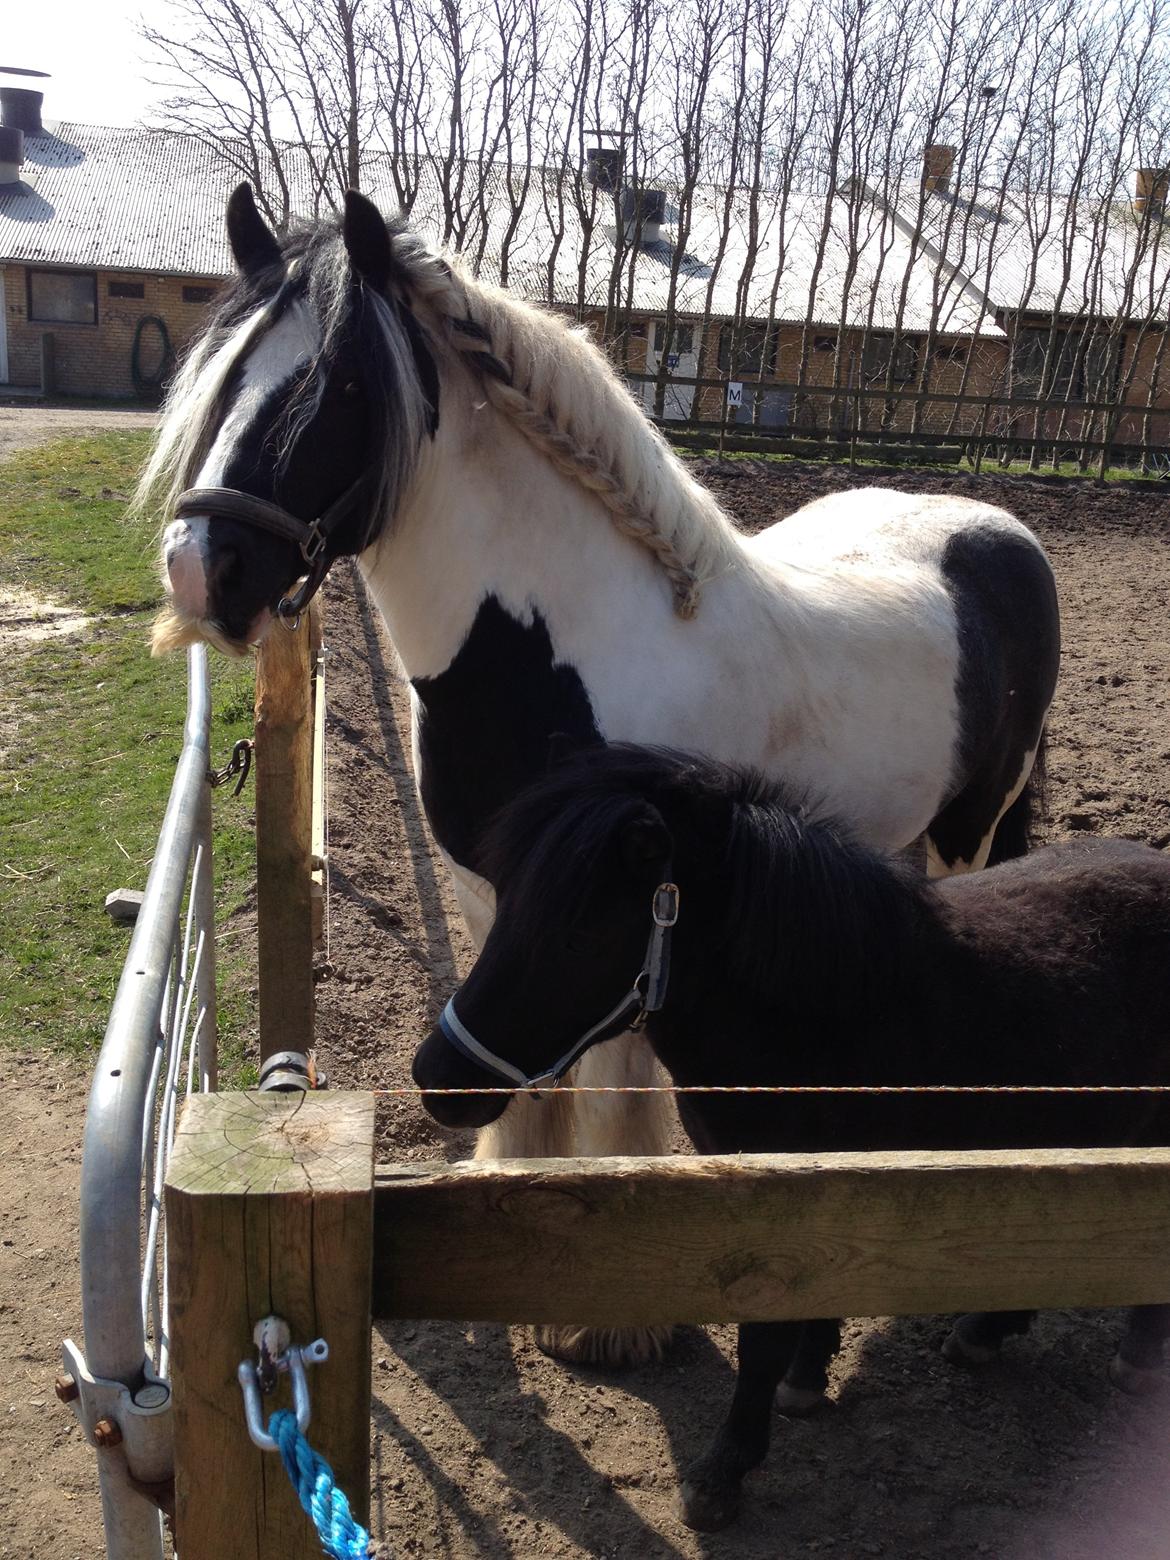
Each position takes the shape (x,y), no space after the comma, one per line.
(269,1206)
(284,786)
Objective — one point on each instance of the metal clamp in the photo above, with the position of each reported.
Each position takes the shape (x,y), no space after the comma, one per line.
(277,1357)
(239,764)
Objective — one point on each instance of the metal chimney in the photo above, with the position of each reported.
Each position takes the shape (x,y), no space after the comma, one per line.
(20,107)
(603,167)
(643,213)
(11,155)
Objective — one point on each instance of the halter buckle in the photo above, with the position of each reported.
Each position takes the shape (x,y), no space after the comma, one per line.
(664,907)
(314,543)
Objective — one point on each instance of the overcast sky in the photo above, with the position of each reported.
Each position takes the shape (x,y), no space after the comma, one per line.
(92,53)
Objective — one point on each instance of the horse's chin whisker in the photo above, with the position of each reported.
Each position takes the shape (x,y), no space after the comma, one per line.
(175,630)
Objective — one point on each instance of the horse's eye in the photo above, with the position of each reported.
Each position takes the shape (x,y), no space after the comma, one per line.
(352,390)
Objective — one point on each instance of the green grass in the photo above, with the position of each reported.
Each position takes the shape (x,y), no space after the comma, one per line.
(92,729)
(990,468)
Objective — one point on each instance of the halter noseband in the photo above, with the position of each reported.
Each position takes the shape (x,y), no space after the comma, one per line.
(647,995)
(311,536)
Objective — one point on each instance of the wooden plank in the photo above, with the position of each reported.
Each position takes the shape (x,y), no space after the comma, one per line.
(629,1242)
(269,1211)
(284,779)
(317,862)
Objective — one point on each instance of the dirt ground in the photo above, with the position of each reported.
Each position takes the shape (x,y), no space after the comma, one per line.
(24,423)
(481,1446)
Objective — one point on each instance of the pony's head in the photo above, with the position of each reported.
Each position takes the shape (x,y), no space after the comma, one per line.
(578,951)
(294,427)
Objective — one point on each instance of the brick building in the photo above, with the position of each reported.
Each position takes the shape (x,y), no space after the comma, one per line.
(866,311)
(110,246)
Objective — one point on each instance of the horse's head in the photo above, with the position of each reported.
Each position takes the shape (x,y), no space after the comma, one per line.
(579,950)
(293,429)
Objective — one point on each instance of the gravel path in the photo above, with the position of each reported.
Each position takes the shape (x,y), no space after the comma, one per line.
(22,426)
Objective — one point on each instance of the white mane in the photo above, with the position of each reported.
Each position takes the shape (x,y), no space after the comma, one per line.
(565,396)
(546,376)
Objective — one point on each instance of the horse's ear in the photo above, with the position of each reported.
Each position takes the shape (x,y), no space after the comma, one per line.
(646,839)
(253,242)
(367,241)
(563,745)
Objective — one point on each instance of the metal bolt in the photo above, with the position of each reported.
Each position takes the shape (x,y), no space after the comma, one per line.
(66,1388)
(106,1434)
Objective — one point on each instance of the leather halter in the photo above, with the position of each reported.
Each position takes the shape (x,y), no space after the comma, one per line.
(647,995)
(311,536)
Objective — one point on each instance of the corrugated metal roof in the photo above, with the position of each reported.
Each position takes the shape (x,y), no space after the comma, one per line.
(1046,252)
(132,200)
(153,200)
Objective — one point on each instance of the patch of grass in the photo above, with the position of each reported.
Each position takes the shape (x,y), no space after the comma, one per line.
(990,468)
(92,729)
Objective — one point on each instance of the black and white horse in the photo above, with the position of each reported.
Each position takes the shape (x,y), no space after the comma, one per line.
(762,945)
(545,564)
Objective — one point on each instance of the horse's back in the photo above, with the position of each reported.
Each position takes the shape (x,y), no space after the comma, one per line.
(881,528)
(1099,907)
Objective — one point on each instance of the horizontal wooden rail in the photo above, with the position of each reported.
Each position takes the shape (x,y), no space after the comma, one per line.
(627,1242)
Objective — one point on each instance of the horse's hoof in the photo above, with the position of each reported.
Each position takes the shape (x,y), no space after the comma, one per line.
(801,1402)
(613,1347)
(1137,1380)
(707,1505)
(957,1350)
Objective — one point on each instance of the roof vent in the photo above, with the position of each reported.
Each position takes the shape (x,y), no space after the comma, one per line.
(11,155)
(603,167)
(643,213)
(937,162)
(20,107)
(1150,189)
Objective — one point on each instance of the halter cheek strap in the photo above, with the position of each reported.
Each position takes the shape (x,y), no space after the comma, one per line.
(647,995)
(311,536)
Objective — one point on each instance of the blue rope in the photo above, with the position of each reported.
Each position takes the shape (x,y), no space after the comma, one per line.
(341,1537)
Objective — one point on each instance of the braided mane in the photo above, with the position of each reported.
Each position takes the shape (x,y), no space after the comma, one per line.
(545,376)
(551,382)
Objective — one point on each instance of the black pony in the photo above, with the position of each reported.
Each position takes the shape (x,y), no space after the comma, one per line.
(803,957)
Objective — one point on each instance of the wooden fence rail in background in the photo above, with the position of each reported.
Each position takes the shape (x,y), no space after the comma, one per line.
(273,1204)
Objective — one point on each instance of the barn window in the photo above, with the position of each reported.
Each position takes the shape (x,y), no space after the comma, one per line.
(950,351)
(126,290)
(883,350)
(198,294)
(824,343)
(62,297)
(1081,366)
(682,337)
(755,354)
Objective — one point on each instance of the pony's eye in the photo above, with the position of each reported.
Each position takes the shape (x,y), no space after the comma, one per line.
(352,390)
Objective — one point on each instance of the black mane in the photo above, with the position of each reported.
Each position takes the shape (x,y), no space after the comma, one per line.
(812,908)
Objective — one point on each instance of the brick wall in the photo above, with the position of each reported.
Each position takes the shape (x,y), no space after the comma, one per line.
(94,360)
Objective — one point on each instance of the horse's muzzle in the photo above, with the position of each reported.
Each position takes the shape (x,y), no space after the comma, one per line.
(436,1067)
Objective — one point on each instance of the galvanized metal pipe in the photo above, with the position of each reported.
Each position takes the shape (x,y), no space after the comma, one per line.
(120,1115)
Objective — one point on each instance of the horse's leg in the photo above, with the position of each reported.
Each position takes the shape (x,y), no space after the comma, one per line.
(1137,1365)
(988,821)
(802,1392)
(709,1494)
(975,1339)
(605,1124)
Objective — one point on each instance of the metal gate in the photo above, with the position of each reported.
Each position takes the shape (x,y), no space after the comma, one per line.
(160,1045)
